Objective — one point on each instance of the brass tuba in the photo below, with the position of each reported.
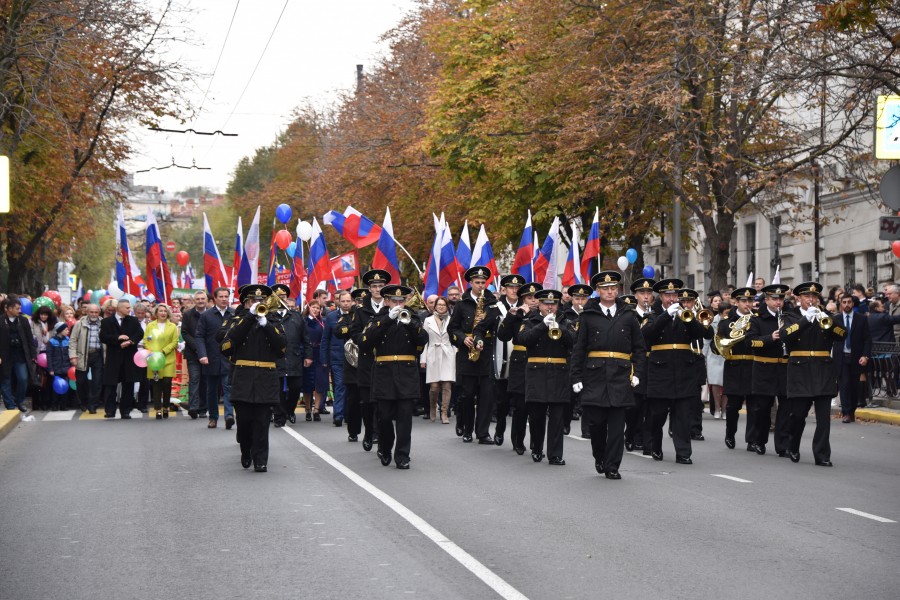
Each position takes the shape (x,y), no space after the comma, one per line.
(739,330)
(475,351)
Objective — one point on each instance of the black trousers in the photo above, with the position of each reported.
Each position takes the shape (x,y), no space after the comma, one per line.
(476,390)
(682,412)
(389,413)
(287,398)
(367,410)
(697,416)
(352,409)
(519,420)
(539,425)
(252,422)
(161,392)
(759,410)
(732,416)
(782,425)
(637,422)
(126,402)
(607,434)
(503,401)
(799,408)
(89,392)
(849,387)
(143,394)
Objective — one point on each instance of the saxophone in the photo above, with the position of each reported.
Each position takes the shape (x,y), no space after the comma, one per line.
(475,351)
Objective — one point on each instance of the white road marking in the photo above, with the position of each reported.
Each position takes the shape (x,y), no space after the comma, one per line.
(494,581)
(62,415)
(641,454)
(578,437)
(730,478)
(860,513)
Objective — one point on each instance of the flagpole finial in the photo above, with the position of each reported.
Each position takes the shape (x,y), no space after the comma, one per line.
(750,280)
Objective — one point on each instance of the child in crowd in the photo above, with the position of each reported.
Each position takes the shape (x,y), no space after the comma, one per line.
(58,364)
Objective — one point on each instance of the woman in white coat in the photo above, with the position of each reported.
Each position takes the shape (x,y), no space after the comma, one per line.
(715,370)
(439,359)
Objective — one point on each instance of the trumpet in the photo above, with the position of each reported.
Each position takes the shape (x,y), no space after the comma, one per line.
(554,332)
(404,317)
(704,315)
(273,302)
(686,315)
(825,322)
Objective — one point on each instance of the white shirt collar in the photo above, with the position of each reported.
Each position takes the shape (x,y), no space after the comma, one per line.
(611,310)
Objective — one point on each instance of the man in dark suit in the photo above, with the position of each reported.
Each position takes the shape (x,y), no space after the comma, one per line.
(851,357)
(215,366)
(121,333)
(196,384)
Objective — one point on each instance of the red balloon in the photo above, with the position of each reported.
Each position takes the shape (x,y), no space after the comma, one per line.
(87,297)
(104,299)
(895,248)
(70,323)
(54,295)
(72,373)
(183,258)
(283,239)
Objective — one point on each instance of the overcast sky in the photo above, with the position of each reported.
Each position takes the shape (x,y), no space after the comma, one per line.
(313,53)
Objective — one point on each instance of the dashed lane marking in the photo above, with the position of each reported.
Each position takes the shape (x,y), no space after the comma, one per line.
(731,478)
(860,513)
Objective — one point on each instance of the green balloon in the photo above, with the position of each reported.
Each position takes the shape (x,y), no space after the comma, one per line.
(156,361)
(43,301)
(72,385)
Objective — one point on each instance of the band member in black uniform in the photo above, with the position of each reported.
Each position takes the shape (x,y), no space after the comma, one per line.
(255,344)
(352,407)
(296,357)
(769,373)
(396,338)
(608,349)
(637,417)
(738,373)
(689,299)
(672,371)
(503,350)
(371,307)
(508,331)
(475,358)
(809,334)
(579,293)
(548,343)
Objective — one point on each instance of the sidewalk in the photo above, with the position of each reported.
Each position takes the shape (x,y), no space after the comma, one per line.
(8,421)
(878,414)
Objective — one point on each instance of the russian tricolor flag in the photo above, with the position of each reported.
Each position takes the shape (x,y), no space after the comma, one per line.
(249,271)
(159,279)
(590,261)
(238,255)
(127,271)
(449,268)
(213,269)
(433,268)
(483,254)
(386,252)
(463,253)
(273,255)
(319,263)
(353,226)
(298,274)
(523,263)
(572,273)
(545,263)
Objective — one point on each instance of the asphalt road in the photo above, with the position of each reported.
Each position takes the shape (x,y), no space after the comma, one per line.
(150,509)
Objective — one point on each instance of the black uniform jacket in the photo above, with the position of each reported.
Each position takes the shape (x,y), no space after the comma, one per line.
(738,373)
(640,368)
(255,351)
(810,371)
(396,347)
(508,330)
(298,346)
(119,366)
(361,317)
(462,324)
(342,331)
(769,359)
(547,371)
(607,379)
(673,366)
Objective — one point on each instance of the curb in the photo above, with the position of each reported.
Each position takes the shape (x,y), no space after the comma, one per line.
(8,421)
(878,415)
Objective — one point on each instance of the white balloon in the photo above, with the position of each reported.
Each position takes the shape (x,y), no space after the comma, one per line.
(304,231)
(115,291)
(623,263)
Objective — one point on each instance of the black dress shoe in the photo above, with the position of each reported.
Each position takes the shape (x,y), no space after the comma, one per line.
(374,438)
(92,411)
(760,449)
(165,415)
(158,416)
(646,452)
(324,411)
(367,444)
(459,431)
(567,429)
(316,417)
(555,460)
(729,442)
(338,423)
(670,433)
(279,424)
(192,413)
(537,457)
(403,464)
(498,440)
(126,416)
(201,414)
(824,463)
(229,423)
(352,438)
(613,474)
(260,468)
(292,417)
(309,416)
(751,447)
(629,446)
(683,460)
(467,439)
(638,447)
(486,441)
(794,456)
(598,465)
(108,416)
(657,455)
(782,454)
(697,437)
(246,461)
(520,450)
(385,457)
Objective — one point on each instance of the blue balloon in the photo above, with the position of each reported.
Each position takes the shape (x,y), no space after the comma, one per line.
(649,272)
(129,297)
(283,213)
(292,249)
(631,255)
(26,306)
(97,296)
(60,386)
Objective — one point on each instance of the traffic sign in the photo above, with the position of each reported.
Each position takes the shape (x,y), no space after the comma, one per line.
(170,246)
(889,228)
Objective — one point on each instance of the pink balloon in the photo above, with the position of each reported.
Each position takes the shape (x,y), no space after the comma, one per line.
(42,360)
(140,358)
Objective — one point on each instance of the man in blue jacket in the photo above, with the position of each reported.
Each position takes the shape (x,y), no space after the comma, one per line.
(215,366)
(332,354)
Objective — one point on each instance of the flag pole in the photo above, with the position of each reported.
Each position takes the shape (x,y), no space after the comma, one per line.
(409,255)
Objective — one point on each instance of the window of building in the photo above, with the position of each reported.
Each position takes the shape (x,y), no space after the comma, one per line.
(775,243)
(872,269)
(750,246)
(849,269)
(806,271)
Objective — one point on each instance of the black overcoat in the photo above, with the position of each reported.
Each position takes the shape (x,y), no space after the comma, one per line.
(119,365)
(546,381)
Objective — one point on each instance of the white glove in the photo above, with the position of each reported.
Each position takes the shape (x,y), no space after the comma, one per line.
(550,318)
(811,315)
(262,321)
(180,347)
(577,387)
(635,381)
(673,310)
(395,312)
(253,308)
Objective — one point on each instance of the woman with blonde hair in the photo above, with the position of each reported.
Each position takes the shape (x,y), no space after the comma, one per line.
(161,335)
(439,359)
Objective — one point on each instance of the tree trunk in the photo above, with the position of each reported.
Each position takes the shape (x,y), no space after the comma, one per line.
(718,240)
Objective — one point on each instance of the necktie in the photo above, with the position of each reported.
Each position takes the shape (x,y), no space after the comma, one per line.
(847,339)
(609,313)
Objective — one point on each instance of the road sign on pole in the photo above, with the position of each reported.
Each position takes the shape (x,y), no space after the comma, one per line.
(889,228)
(170,246)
